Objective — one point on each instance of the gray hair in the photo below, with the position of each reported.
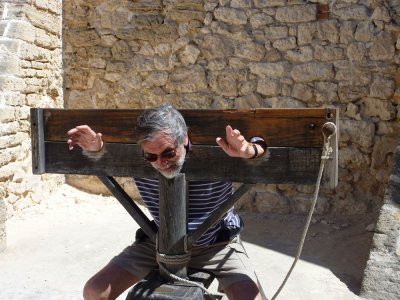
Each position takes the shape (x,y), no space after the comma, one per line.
(163,119)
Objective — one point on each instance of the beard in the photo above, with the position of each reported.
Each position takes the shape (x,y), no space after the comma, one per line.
(172,168)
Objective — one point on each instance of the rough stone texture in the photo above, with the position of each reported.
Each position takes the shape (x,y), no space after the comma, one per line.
(381,277)
(244,54)
(208,54)
(30,76)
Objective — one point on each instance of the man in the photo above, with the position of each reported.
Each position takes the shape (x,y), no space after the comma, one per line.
(162,134)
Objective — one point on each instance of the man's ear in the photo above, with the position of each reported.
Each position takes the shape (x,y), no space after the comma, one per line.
(186,141)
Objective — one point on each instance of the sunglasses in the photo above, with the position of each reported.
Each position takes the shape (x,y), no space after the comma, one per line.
(166,154)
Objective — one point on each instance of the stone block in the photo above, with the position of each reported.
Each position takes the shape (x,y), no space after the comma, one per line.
(20,29)
(364,32)
(346,34)
(249,101)
(251,51)
(54,6)
(224,82)
(296,13)
(189,55)
(11,83)
(300,54)
(382,87)
(312,71)
(328,53)
(328,31)
(353,76)
(382,47)
(9,64)
(278,69)
(47,40)
(185,15)
(354,12)
(350,132)
(356,51)
(14,140)
(326,92)
(269,3)
(187,80)
(9,45)
(285,44)
(383,152)
(352,158)
(348,93)
(241,4)
(268,87)
(383,109)
(284,102)
(260,20)
(304,92)
(8,128)
(275,32)
(306,33)
(230,15)
(44,20)
(34,53)
(381,13)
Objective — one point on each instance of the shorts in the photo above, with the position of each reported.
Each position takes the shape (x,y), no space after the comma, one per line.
(227,261)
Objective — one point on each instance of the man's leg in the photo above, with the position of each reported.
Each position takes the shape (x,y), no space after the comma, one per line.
(123,271)
(243,290)
(231,266)
(108,283)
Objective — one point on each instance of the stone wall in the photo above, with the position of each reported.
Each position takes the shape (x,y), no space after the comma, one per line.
(30,76)
(382,274)
(248,54)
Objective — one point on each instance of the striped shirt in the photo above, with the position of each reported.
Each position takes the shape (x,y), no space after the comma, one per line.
(204,198)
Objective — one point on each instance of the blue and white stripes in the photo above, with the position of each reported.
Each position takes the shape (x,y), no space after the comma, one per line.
(204,198)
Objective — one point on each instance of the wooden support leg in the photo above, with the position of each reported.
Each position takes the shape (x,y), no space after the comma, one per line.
(130,206)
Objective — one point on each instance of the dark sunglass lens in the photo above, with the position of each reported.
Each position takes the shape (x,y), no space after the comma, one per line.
(150,157)
(168,153)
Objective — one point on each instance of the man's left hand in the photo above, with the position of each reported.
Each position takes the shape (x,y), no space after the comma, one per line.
(234,144)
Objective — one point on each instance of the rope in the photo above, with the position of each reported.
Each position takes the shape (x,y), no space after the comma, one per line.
(180,259)
(176,259)
(214,295)
(326,152)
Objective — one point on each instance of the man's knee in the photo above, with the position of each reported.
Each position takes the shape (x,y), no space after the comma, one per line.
(243,290)
(95,290)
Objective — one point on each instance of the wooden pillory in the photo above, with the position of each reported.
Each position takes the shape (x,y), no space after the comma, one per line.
(294,138)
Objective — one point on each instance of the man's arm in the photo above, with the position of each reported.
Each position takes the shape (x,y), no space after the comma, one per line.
(236,145)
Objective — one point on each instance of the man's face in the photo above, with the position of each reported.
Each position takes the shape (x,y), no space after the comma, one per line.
(162,148)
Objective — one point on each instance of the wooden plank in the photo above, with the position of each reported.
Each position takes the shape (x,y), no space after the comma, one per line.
(331,170)
(280,165)
(299,127)
(37,140)
(172,230)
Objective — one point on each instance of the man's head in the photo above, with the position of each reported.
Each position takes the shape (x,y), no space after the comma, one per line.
(162,134)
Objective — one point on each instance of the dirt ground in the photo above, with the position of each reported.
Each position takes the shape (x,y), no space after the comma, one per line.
(53,248)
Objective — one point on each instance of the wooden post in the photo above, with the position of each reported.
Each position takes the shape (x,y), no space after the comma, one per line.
(173,221)
(37,139)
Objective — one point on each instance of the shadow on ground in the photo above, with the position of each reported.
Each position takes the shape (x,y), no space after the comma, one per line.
(341,244)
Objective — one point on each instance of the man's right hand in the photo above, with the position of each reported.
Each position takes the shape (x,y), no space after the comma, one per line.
(84,137)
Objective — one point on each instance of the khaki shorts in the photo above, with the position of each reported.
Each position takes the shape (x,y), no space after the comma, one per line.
(228,262)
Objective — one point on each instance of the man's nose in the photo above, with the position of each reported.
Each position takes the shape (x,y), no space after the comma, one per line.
(160,162)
